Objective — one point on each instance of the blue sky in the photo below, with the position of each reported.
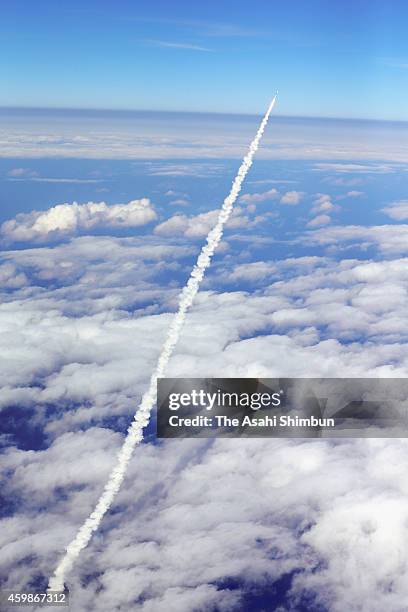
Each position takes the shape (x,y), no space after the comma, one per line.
(346,59)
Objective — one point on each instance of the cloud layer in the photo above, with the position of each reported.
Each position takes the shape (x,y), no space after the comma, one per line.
(67,219)
(201,524)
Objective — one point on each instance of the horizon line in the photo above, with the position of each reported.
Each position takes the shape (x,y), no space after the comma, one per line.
(79,109)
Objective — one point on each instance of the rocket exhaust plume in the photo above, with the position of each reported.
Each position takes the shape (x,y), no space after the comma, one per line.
(142,416)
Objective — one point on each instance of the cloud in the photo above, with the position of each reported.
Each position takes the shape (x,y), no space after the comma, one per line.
(197,226)
(180,544)
(271,182)
(388,238)
(40,179)
(319,220)
(344,182)
(180,198)
(67,219)
(254,271)
(68,335)
(179,202)
(178,224)
(11,277)
(197,169)
(350,194)
(292,197)
(354,194)
(177,136)
(22,173)
(256,198)
(178,45)
(356,168)
(81,326)
(322,204)
(196,516)
(397,210)
(73,287)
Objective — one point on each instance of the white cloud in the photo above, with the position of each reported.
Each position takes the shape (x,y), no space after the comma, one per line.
(68,343)
(195,513)
(180,198)
(254,271)
(397,210)
(319,220)
(322,204)
(255,198)
(197,169)
(44,179)
(179,202)
(201,137)
(357,168)
(177,224)
(354,194)
(67,219)
(344,182)
(178,45)
(388,238)
(11,277)
(21,173)
(292,197)
(350,194)
(271,182)
(197,226)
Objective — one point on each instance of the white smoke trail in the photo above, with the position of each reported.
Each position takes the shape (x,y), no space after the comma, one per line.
(141,418)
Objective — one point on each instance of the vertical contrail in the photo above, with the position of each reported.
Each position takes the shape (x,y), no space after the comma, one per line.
(141,418)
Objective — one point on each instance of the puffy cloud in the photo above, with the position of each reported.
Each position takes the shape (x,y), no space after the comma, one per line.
(397,210)
(177,224)
(322,204)
(11,277)
(79,335)
(254,271)
(197,226)
(65,346)
(260,270)
(388,238)
(256,198)
(211,512)
(319,220)
(292,197)
(180,198)
(196,514)
(66,219)
(78,278)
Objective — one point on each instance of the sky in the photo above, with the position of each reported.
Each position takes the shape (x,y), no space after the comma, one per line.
(342,58)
